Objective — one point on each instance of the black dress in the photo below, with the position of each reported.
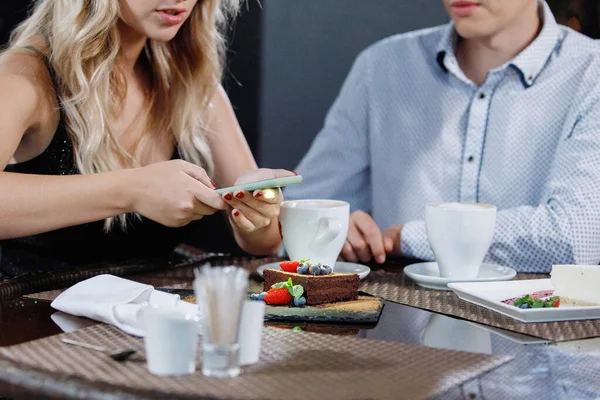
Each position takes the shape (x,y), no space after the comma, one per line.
(87,243)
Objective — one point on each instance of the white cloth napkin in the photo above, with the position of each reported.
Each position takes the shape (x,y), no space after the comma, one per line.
(70,323)
(117,301)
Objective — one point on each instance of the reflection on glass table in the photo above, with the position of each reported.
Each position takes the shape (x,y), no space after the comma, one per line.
(566,370)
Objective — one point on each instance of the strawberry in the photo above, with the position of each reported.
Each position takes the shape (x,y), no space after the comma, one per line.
(289,266)
(278,297)
(557,303)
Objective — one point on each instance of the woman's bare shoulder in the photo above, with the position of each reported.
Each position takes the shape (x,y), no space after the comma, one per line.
(26,64)
(27,96)
(25,75)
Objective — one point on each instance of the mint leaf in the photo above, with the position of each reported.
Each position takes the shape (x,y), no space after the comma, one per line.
(297,329)
(296,291)
(537,304)
(549,303)
(281,285)
(524,300)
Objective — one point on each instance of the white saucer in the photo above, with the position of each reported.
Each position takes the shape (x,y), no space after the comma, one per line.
(340,267)
(427,274)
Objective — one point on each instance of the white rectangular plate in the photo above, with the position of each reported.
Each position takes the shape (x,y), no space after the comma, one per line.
(491,294)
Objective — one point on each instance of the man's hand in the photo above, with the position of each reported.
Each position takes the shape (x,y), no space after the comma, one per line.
(393,234)
(365,240)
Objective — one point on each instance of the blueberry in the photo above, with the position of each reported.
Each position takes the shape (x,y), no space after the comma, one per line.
(326,270)
(261,296)
(524,305)
(302,268)
(301,302)
(315,270)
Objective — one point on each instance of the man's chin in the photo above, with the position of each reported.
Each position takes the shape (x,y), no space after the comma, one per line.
(472,31)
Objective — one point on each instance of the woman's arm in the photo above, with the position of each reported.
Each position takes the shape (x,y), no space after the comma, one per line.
(232,158)
(172,193)
(32,204)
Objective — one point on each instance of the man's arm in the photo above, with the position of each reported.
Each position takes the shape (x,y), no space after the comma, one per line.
(337,163)
(563,228)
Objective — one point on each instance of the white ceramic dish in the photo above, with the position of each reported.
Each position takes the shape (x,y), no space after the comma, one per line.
(491,294)
(427,274)
(341,267)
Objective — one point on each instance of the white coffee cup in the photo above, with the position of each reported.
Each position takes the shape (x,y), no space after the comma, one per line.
(170,341)
(314,229)
(460,234)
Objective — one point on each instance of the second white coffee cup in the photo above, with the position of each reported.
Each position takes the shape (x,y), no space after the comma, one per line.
(460,235)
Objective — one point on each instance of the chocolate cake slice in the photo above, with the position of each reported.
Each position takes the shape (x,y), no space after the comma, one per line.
(318,289)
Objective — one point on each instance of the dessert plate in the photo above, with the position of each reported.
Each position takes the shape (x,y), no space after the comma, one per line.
(491,294)
(427,274)
(340,267)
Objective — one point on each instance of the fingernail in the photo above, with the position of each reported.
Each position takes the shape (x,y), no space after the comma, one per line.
(240,195)
(236,213)
(380,259)
(258,194)
(295,173)
(228,196)
(213,184)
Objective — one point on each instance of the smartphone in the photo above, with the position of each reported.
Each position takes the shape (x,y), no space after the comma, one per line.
(266,184)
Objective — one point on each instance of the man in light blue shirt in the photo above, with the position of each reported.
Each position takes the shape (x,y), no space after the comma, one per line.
(500,106)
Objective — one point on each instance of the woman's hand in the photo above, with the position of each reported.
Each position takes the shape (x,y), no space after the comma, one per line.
(252,211)
(174,193)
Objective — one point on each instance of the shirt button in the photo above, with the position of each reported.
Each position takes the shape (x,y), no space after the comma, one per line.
(470,159)
(481,95)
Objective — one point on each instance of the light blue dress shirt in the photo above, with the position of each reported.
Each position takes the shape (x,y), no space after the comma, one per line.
(408,128)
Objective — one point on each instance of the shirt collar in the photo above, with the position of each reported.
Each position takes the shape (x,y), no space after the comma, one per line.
(530,62)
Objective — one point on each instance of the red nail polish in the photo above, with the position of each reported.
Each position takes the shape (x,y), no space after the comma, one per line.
(228,196)
(236,213)
(259,194)
(213,184)
(240,195)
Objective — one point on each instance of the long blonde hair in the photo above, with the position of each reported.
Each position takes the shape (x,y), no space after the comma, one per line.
(83,45)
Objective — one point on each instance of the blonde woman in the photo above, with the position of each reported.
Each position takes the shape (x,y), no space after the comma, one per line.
(115,130)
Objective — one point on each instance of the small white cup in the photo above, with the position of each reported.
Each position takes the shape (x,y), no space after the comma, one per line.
(460,234)
(314,229)
(251,327)
(171,341)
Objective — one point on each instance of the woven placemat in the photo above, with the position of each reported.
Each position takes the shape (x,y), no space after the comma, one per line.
(396,287)
(179,276)
(294,365)
(35,283)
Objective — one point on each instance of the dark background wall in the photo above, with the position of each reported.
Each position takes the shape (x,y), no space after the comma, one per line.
(11,13)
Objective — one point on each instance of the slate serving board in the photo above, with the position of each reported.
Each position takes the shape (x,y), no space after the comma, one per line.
(365,310)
